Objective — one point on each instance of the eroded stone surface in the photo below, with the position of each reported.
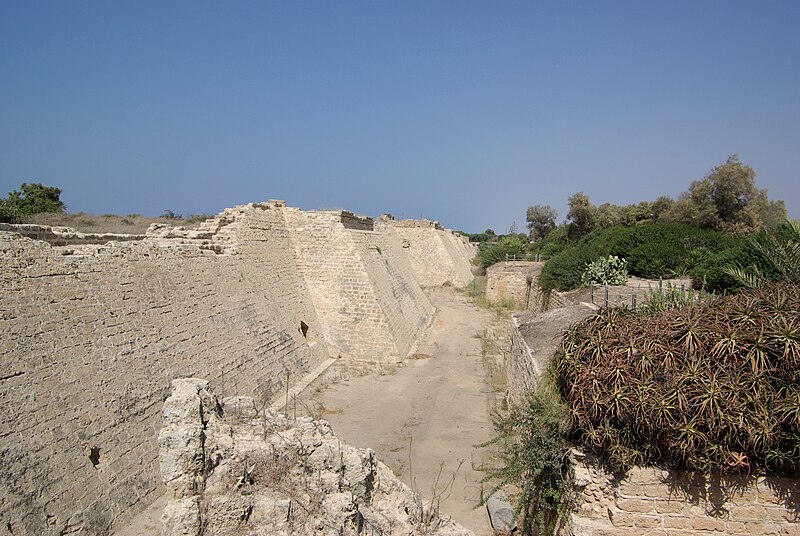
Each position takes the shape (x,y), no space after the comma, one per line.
(267,474)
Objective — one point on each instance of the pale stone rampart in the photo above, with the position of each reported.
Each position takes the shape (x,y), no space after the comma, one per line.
(438,256)
(357,281)
(93,332)
(91,341)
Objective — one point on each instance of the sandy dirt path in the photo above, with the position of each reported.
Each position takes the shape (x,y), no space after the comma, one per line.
(437,407)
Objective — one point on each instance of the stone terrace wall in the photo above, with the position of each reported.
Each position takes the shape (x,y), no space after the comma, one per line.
(511,281)
(437,256)
(357,280)
(534,338)
(91,341)
(670,503)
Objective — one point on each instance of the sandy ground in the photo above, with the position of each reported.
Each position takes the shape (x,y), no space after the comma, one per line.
(425,419)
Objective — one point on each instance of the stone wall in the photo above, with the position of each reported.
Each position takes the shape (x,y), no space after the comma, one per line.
(362,285)
(91,342)
(649,501)
(438,256)
(94,333)
(511,281)
(534,338)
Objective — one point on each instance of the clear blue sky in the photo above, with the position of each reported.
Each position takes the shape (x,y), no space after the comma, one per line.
(465,112)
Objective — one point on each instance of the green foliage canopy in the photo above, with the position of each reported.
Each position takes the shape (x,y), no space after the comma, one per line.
(30,199)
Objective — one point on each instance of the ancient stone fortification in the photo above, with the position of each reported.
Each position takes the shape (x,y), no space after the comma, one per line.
(230,468)
(93,334)
(514,283)
(665,503)
(438,256)
(647,501)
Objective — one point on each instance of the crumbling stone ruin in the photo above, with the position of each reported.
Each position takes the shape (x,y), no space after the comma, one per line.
(257,300)
(232,468)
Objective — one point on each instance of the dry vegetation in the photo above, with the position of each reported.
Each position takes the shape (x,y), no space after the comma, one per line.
(109,223)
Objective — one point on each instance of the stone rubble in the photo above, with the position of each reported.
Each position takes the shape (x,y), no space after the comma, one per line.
(230,467)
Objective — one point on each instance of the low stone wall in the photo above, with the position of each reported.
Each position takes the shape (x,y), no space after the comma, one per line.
(64,236)
(511,281)
(649,501)
(534,338)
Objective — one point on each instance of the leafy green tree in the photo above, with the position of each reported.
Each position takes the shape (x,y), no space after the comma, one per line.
(541,221)
(727,199)
(32,199)
(581,215)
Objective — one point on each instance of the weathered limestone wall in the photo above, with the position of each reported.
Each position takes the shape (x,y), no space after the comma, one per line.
(92,335)
(534,338)
(511,281)
(670,503)
(437,255)
(367,298)
(91,341)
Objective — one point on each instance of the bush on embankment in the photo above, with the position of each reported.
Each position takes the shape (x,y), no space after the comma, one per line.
(652,251)
(711,387)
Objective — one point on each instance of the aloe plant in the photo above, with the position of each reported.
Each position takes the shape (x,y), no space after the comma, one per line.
(710,386)
(779,249)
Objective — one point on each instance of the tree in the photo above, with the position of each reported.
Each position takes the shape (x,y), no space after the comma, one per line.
(33,199)
(581,215)
(727,199)
(541,220)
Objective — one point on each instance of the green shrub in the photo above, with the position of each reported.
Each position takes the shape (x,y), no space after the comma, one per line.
(777,257)
(532,447)
(609,270)
(554,243)
(711,387)
(508,247)
(34,199)
(652,251)
(8,213)
(565,270)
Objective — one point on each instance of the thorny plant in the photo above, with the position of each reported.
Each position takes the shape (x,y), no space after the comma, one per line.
(710,387)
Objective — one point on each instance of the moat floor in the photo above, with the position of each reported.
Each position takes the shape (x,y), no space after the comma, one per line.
(437,407)
(423,419)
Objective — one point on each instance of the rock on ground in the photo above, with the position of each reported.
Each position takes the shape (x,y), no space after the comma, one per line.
(232,468)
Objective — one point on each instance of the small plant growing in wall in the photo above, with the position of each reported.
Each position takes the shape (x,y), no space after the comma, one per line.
(533,453)
(609,270)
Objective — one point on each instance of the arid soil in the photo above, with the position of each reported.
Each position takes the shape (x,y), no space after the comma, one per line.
(425,419)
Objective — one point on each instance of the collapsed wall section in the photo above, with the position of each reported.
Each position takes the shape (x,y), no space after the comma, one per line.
(368,301)
(92,338)
(438,256)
